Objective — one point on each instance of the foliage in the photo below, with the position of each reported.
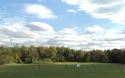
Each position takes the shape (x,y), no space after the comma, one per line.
(1,60)
(47,60)
(28,54)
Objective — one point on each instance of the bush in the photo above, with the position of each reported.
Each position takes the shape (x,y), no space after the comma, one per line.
(2,61)
(47,60)
(28,60)
(19,61)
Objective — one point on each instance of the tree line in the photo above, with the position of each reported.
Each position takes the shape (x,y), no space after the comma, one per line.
(28,54)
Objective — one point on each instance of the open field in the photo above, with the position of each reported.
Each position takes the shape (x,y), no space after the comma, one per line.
(63,70)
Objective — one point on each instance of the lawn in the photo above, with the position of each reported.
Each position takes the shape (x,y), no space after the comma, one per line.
(63,70)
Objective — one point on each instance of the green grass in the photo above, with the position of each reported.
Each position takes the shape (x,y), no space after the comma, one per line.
(63,70)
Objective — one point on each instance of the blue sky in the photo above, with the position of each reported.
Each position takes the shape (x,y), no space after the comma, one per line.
(78,24)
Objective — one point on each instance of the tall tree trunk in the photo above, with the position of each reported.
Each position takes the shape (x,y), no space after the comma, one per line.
(31,60)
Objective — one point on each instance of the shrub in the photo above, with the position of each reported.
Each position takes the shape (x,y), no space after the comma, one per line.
(47,60)
(2,61)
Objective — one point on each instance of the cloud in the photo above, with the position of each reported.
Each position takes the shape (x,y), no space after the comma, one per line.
(39,26)
(33,33)
(94,29)
(67,31)
(103,2)
(40,0)
(107,9)
(73,11)
(16,31)
(73,2)
(39,33)
(39,10)
(66,37)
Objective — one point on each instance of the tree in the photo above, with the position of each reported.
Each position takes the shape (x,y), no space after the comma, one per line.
(16,53)
(51,53)
(2,49)
(122,58)
(60,52)
(33,54)
(66,53)
(1,59)
(24,53)
(86,57)
(71,55)
(115,55)
(8,55)
(79,56)
(41,50)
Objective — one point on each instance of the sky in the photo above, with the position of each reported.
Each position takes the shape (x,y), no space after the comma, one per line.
(78,24)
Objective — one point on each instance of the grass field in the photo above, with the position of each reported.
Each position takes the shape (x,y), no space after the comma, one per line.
(63,70)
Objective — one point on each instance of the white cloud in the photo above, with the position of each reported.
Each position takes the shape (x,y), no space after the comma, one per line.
(39,26)
(109,9)
(39,33)
(67,31)
(16,31)
(73,2)
(40,0)
(40,11)
(94,29)
(70,10)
